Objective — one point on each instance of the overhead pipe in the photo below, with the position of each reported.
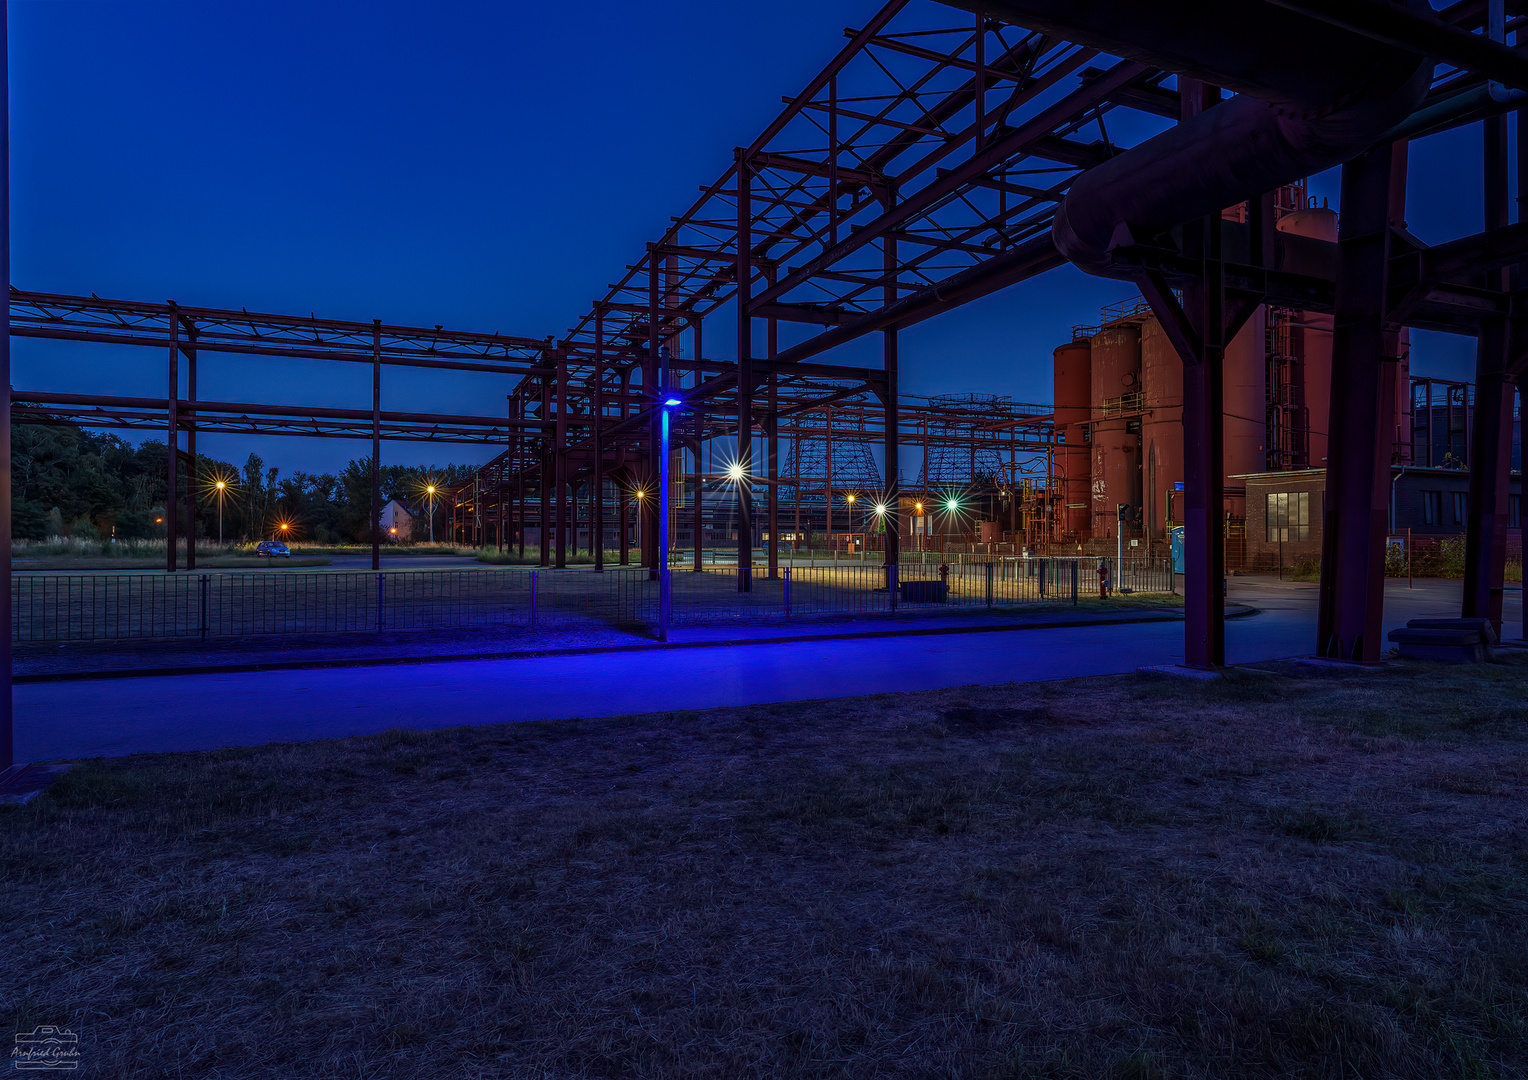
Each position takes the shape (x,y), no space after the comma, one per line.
(1309,96)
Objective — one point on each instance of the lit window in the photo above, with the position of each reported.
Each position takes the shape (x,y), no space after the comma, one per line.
(1288,516)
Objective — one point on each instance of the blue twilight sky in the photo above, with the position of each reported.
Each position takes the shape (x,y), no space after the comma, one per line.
(486,166)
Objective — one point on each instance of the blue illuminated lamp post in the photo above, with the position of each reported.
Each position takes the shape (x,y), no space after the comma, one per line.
(665,595)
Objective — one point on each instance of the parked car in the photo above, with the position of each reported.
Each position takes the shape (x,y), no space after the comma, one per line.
(273,549)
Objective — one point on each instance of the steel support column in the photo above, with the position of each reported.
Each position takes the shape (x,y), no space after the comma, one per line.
(597,527)
(772,435)
(172,445)
(700,439)
(891,520)
(1485,536)
(890,359)
(744,377)
(625,489)
(1197,330)
(560,463)
(189,348)
(1350,612)
(7,733)
(376,444)
(544,479)
(656,511)
(772,452)
(1519,279)
(1204,535)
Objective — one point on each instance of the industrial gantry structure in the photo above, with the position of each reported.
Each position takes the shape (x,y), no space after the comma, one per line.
(941,157)
(949,151)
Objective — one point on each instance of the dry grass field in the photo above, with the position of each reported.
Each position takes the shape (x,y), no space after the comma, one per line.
(1299,873)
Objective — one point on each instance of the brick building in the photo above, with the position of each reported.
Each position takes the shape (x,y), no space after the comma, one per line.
(1285,510)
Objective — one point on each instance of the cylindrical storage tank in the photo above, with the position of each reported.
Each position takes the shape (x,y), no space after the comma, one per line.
(1116,473)
(1072,372)
(1116,364)
(1161,429)
(1246,400)
(1312,341)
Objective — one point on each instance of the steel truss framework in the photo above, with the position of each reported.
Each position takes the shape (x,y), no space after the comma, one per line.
(183,333)
(918,171)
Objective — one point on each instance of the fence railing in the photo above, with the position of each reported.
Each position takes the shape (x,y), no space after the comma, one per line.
(95,607)
(101,607)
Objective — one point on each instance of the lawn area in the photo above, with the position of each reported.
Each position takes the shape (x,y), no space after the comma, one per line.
(1298,872)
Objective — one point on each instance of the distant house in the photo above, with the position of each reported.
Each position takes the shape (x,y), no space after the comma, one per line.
(397,522)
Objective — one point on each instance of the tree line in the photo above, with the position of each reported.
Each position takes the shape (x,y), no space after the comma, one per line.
(66,481)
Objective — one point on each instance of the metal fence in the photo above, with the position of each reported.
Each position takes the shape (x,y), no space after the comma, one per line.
(97,607)
(827,588)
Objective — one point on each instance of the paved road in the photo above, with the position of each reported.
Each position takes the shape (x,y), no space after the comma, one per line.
(84,719)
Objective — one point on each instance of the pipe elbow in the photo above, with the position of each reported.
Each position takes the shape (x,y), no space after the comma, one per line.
(1234,151)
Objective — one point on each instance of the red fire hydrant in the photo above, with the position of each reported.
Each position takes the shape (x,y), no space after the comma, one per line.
(1103,579)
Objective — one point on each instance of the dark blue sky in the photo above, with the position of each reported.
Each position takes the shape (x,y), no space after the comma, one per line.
(487,166)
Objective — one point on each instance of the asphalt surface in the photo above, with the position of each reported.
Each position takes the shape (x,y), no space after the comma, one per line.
(190,712)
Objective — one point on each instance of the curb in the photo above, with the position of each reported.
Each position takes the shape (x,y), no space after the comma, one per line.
(1240,612)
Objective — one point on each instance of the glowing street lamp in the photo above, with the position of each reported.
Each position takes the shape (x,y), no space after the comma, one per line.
(430,491)
(222,486)
(735,472)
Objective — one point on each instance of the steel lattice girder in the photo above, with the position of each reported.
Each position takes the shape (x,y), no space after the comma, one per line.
(122,322)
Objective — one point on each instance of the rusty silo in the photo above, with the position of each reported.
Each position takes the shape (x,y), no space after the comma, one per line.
(1312,334)
(1073,381)
(1116,445)
(1161,428)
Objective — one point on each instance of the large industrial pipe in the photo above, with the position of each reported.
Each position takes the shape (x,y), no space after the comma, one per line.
(1309,96)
